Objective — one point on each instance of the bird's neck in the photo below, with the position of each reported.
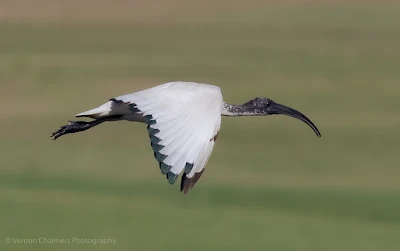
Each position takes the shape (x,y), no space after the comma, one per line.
(241,110)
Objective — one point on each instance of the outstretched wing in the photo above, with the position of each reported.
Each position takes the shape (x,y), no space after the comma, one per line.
(183,121)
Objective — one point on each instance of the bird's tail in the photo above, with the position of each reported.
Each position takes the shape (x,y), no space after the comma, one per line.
(101,111)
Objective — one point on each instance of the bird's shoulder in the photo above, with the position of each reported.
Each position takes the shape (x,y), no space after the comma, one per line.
(189,87)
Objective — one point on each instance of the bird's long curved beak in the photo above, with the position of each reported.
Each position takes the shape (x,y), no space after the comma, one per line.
(276,108)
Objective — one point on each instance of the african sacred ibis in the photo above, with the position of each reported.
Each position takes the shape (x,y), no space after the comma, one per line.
(183,120)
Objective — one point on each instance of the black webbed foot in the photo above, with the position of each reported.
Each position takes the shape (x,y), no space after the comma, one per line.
(71,127)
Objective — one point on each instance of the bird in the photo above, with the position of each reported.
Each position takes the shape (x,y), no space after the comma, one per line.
(183,121)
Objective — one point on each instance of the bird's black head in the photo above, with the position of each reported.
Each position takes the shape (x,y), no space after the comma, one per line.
(259,103)
(267,106)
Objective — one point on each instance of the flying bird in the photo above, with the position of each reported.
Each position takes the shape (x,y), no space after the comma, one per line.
(183,120)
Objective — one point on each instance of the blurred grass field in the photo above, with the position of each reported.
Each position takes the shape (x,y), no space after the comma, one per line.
(270,184)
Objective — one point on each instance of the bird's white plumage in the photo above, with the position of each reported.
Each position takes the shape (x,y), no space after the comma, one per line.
(183,118)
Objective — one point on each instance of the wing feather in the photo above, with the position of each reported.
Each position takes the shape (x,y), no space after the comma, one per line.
(183,119)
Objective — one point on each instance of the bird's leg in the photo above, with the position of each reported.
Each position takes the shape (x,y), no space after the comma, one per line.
(79,126)
(71,127)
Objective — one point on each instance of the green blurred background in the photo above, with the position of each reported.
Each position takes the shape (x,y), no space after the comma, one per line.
(270,184)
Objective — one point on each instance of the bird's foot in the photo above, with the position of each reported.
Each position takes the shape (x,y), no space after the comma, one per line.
(71,127)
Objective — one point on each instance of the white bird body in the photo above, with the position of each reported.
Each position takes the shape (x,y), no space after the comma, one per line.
(186,115)
(183,119)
